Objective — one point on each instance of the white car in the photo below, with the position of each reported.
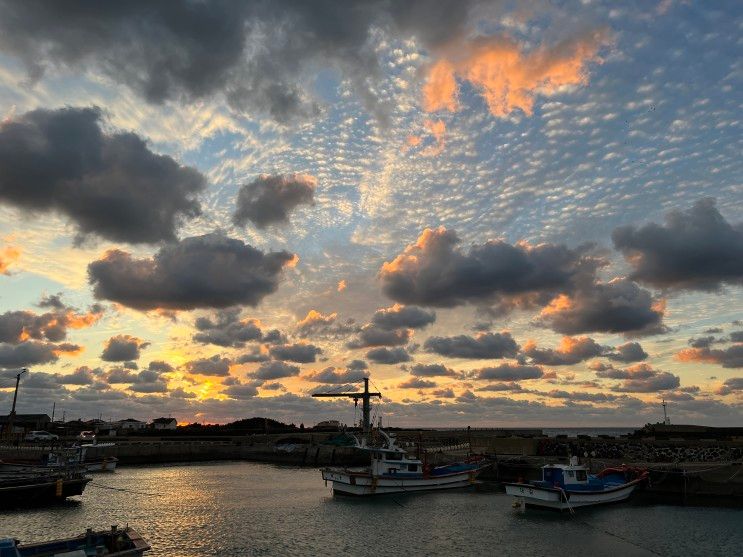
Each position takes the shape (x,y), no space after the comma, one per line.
(41,436)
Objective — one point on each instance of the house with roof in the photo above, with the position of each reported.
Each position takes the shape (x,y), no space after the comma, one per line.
(165,423)
(130,424)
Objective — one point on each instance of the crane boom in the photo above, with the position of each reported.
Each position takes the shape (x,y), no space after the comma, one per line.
(365,398)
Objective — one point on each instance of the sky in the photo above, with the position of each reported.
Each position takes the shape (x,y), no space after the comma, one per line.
(504,213)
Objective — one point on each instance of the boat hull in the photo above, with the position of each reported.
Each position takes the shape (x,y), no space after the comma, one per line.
(103,465)
(562,500)
(39,492)
(345,482)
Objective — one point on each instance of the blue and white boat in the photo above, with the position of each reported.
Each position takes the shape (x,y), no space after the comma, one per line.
(567,486)
(116,542)
(393,471)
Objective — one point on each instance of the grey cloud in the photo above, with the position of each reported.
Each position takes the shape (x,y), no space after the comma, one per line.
(160,367)
(333,376)
(17,326)
(202,271)
(388,356)
(269,371)
(214,365)
(255,355)
(571,351)
(417,383)
(32,353)
(435,271)
(736,336)
(731,385)
(241,391)
(372,335)
(661,381)
(431,370)
(269,199)
(318,324)
(443,393)
(502,387)
(122,348)
(729,357)
(628,352)
(259,56)
(110,185)
(227,329)
(638,371)
(81,376)
(403,317)
(481,346)
(300,353)
(617,306)
(509,372)
(696,249)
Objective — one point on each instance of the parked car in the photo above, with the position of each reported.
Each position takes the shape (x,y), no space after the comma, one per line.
(41,436)
(86,436)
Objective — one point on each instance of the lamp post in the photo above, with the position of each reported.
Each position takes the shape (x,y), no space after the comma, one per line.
(15,398)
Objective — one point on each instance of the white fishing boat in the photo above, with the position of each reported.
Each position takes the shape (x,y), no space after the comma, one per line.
(393,471)
(568,486)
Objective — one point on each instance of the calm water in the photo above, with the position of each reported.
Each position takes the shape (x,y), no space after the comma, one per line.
(240,508)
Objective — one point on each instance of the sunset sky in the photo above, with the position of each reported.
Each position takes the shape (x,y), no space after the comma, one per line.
(504,213)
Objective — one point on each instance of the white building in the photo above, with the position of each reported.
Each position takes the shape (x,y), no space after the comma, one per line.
(165,423)
(130,424)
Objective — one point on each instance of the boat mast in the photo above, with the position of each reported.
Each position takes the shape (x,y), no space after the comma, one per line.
(365,402)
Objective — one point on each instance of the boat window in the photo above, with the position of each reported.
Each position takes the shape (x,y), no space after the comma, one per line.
(413,467)
(571,474)
(581,475)
(394,456)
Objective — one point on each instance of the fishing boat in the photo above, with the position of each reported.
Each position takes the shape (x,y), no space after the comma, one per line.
(34,485)
(116,542)
(567,486)
(393,471)
(93,457)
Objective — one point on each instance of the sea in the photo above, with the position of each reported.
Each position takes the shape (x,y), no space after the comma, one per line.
(242,508)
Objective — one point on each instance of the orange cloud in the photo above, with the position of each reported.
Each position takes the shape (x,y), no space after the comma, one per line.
(437,128)
(313,316)
(81,320)
(342,285)
(698,355)
(440,90)
(8,256)
(413,140)
(557,305)
(508,78)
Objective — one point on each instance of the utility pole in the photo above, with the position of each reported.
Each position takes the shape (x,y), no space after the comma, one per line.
(365,402)
(11,418)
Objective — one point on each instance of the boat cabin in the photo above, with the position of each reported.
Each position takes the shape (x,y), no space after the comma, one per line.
(394,462)
(565,476)
(571,476)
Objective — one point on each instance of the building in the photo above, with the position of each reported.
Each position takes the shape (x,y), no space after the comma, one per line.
(165,423)
(26,422)
(130,424)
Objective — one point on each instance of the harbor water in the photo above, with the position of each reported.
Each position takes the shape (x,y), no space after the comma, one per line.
(240,508)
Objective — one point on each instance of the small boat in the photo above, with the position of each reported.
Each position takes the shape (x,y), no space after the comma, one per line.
(91,456)
(567,486)
(115,542)
(393,471)
(33,485)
